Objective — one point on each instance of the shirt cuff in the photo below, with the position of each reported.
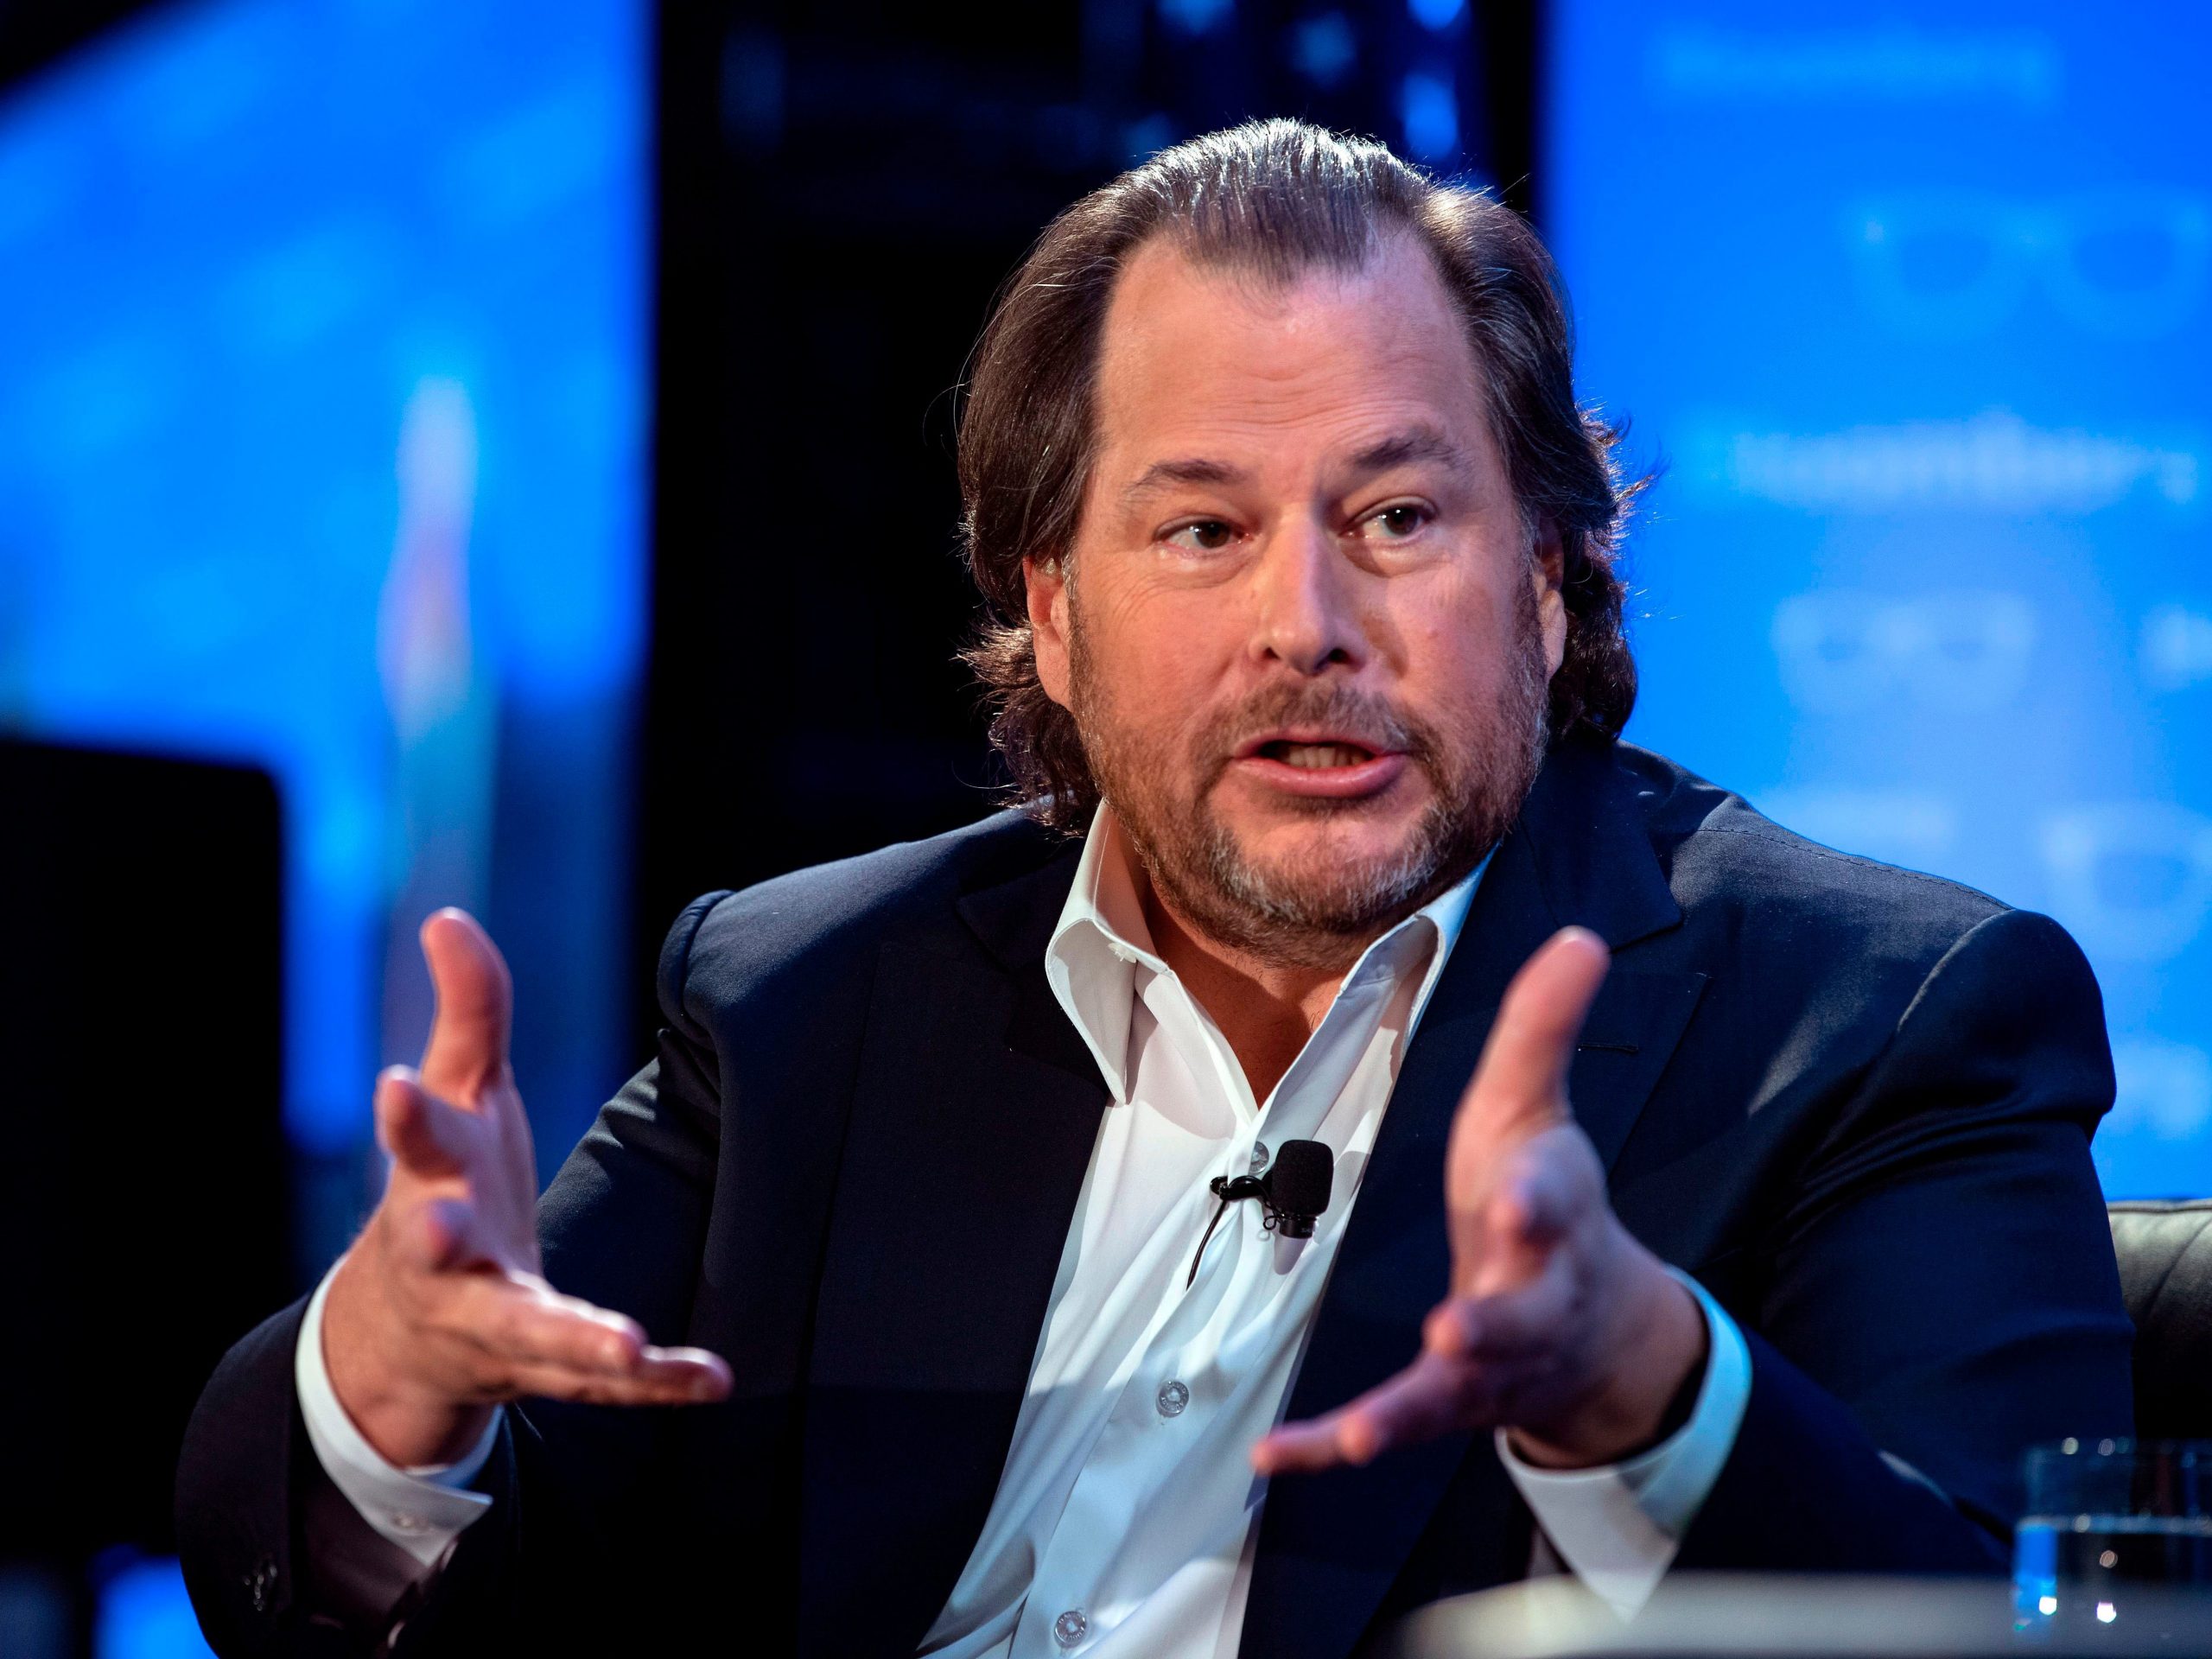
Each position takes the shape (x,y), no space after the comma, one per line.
(1618,1526)
(422,1509)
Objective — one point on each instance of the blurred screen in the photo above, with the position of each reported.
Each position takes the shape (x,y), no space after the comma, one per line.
(321,447)
(1915,315)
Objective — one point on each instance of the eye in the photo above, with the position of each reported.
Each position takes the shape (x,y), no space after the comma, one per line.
(1201,535)
(1400,522)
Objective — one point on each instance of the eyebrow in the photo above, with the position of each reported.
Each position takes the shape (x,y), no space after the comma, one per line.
(1190,470)
(1415,443)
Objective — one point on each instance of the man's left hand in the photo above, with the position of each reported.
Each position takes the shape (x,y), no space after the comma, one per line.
(1560,1325)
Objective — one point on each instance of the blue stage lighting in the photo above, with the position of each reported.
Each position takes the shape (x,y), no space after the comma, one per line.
(1908,312)
(322,446)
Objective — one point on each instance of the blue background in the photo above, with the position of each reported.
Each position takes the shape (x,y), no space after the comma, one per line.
(1914,313)
(321,446)
(243,249)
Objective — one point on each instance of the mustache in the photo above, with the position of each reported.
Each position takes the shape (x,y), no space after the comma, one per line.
(1361,717)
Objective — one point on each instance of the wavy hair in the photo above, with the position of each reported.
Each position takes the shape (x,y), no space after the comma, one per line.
(1268,199)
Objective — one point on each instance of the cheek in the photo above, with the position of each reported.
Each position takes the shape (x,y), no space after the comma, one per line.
(1159,650)
(1459,656)
(1459,644)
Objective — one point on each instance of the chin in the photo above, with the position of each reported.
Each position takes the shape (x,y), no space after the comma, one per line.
(1337,859)
(1313,835)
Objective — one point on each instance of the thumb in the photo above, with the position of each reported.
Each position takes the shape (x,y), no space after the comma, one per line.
(1519,1087)
(468,1032)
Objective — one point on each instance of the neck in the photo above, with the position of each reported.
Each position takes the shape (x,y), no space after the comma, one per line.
(1266,1009)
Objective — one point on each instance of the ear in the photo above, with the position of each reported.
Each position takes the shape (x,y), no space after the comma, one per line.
(1046,584)
(1547,571)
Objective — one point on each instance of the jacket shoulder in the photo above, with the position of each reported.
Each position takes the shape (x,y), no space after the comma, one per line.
(1822,963)
(1728,863)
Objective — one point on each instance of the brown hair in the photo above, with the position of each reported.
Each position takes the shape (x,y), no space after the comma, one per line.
(1272,198)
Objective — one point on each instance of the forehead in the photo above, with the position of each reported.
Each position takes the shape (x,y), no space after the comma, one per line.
(1195,358)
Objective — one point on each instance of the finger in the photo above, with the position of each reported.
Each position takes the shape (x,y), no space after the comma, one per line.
(1431,1397)
(536,1330)
(671,1377)
(525,1320)
(1309,1447)
(1507,1218)
(1544,1194)
(443,1235)
(427,1136)
(468,1034)
(1507,1328)
(1524,1064)
(1543,1191)
(532,1323)
(1519,1089)
(706,1373)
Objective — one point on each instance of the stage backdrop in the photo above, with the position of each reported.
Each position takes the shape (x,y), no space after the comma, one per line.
(1915,314)
(321,435)
(324,327)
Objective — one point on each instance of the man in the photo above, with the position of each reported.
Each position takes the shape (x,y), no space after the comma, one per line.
(1764,1236)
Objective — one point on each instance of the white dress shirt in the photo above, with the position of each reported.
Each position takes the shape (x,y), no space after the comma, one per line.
(1127,1515)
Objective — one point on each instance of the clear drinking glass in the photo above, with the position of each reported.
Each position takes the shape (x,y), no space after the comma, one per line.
(2108,1520)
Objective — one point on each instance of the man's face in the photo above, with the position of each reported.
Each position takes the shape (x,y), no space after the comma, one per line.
(1302,629)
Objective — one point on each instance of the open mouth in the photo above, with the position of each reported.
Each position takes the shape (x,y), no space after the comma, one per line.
(1311,763)
(1315,757)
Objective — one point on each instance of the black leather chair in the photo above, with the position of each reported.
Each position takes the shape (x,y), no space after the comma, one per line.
(2165,1272)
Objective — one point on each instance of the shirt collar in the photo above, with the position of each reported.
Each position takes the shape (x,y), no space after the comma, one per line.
(1101,940)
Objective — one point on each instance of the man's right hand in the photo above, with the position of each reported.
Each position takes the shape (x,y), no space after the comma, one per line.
(439,1312)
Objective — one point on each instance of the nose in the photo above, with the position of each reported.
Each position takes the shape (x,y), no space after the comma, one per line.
(1306,611)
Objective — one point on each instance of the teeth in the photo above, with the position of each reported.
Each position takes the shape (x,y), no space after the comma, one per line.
(1315,756)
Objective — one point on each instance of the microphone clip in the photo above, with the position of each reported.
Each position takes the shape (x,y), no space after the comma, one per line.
(1288,1207)
(1230,1189)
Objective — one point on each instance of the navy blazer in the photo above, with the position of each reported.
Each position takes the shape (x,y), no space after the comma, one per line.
(1856,1102)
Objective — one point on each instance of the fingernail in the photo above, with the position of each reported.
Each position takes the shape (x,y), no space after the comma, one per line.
(1358,1442)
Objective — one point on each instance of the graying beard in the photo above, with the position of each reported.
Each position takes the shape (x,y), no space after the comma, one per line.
(1293,922)
(1340,906)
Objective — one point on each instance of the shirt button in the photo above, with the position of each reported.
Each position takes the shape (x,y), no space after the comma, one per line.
(1071,1627)
(1171,1398)
(408,1523)
(1259,1156)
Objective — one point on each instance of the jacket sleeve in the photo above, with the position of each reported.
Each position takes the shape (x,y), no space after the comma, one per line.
(1937,1292)
(273,1568)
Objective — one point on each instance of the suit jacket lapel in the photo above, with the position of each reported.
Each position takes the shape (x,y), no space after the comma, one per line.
(1331,1545)
(1594,862)
(972,1123)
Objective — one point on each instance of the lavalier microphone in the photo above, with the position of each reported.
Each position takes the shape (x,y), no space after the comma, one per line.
(1292,1194)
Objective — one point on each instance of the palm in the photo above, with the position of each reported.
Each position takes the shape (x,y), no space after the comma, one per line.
(1542,1274)
(441,1310)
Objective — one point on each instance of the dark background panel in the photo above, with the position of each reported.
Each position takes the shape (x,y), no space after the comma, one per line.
(34,33)
(143,1166)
